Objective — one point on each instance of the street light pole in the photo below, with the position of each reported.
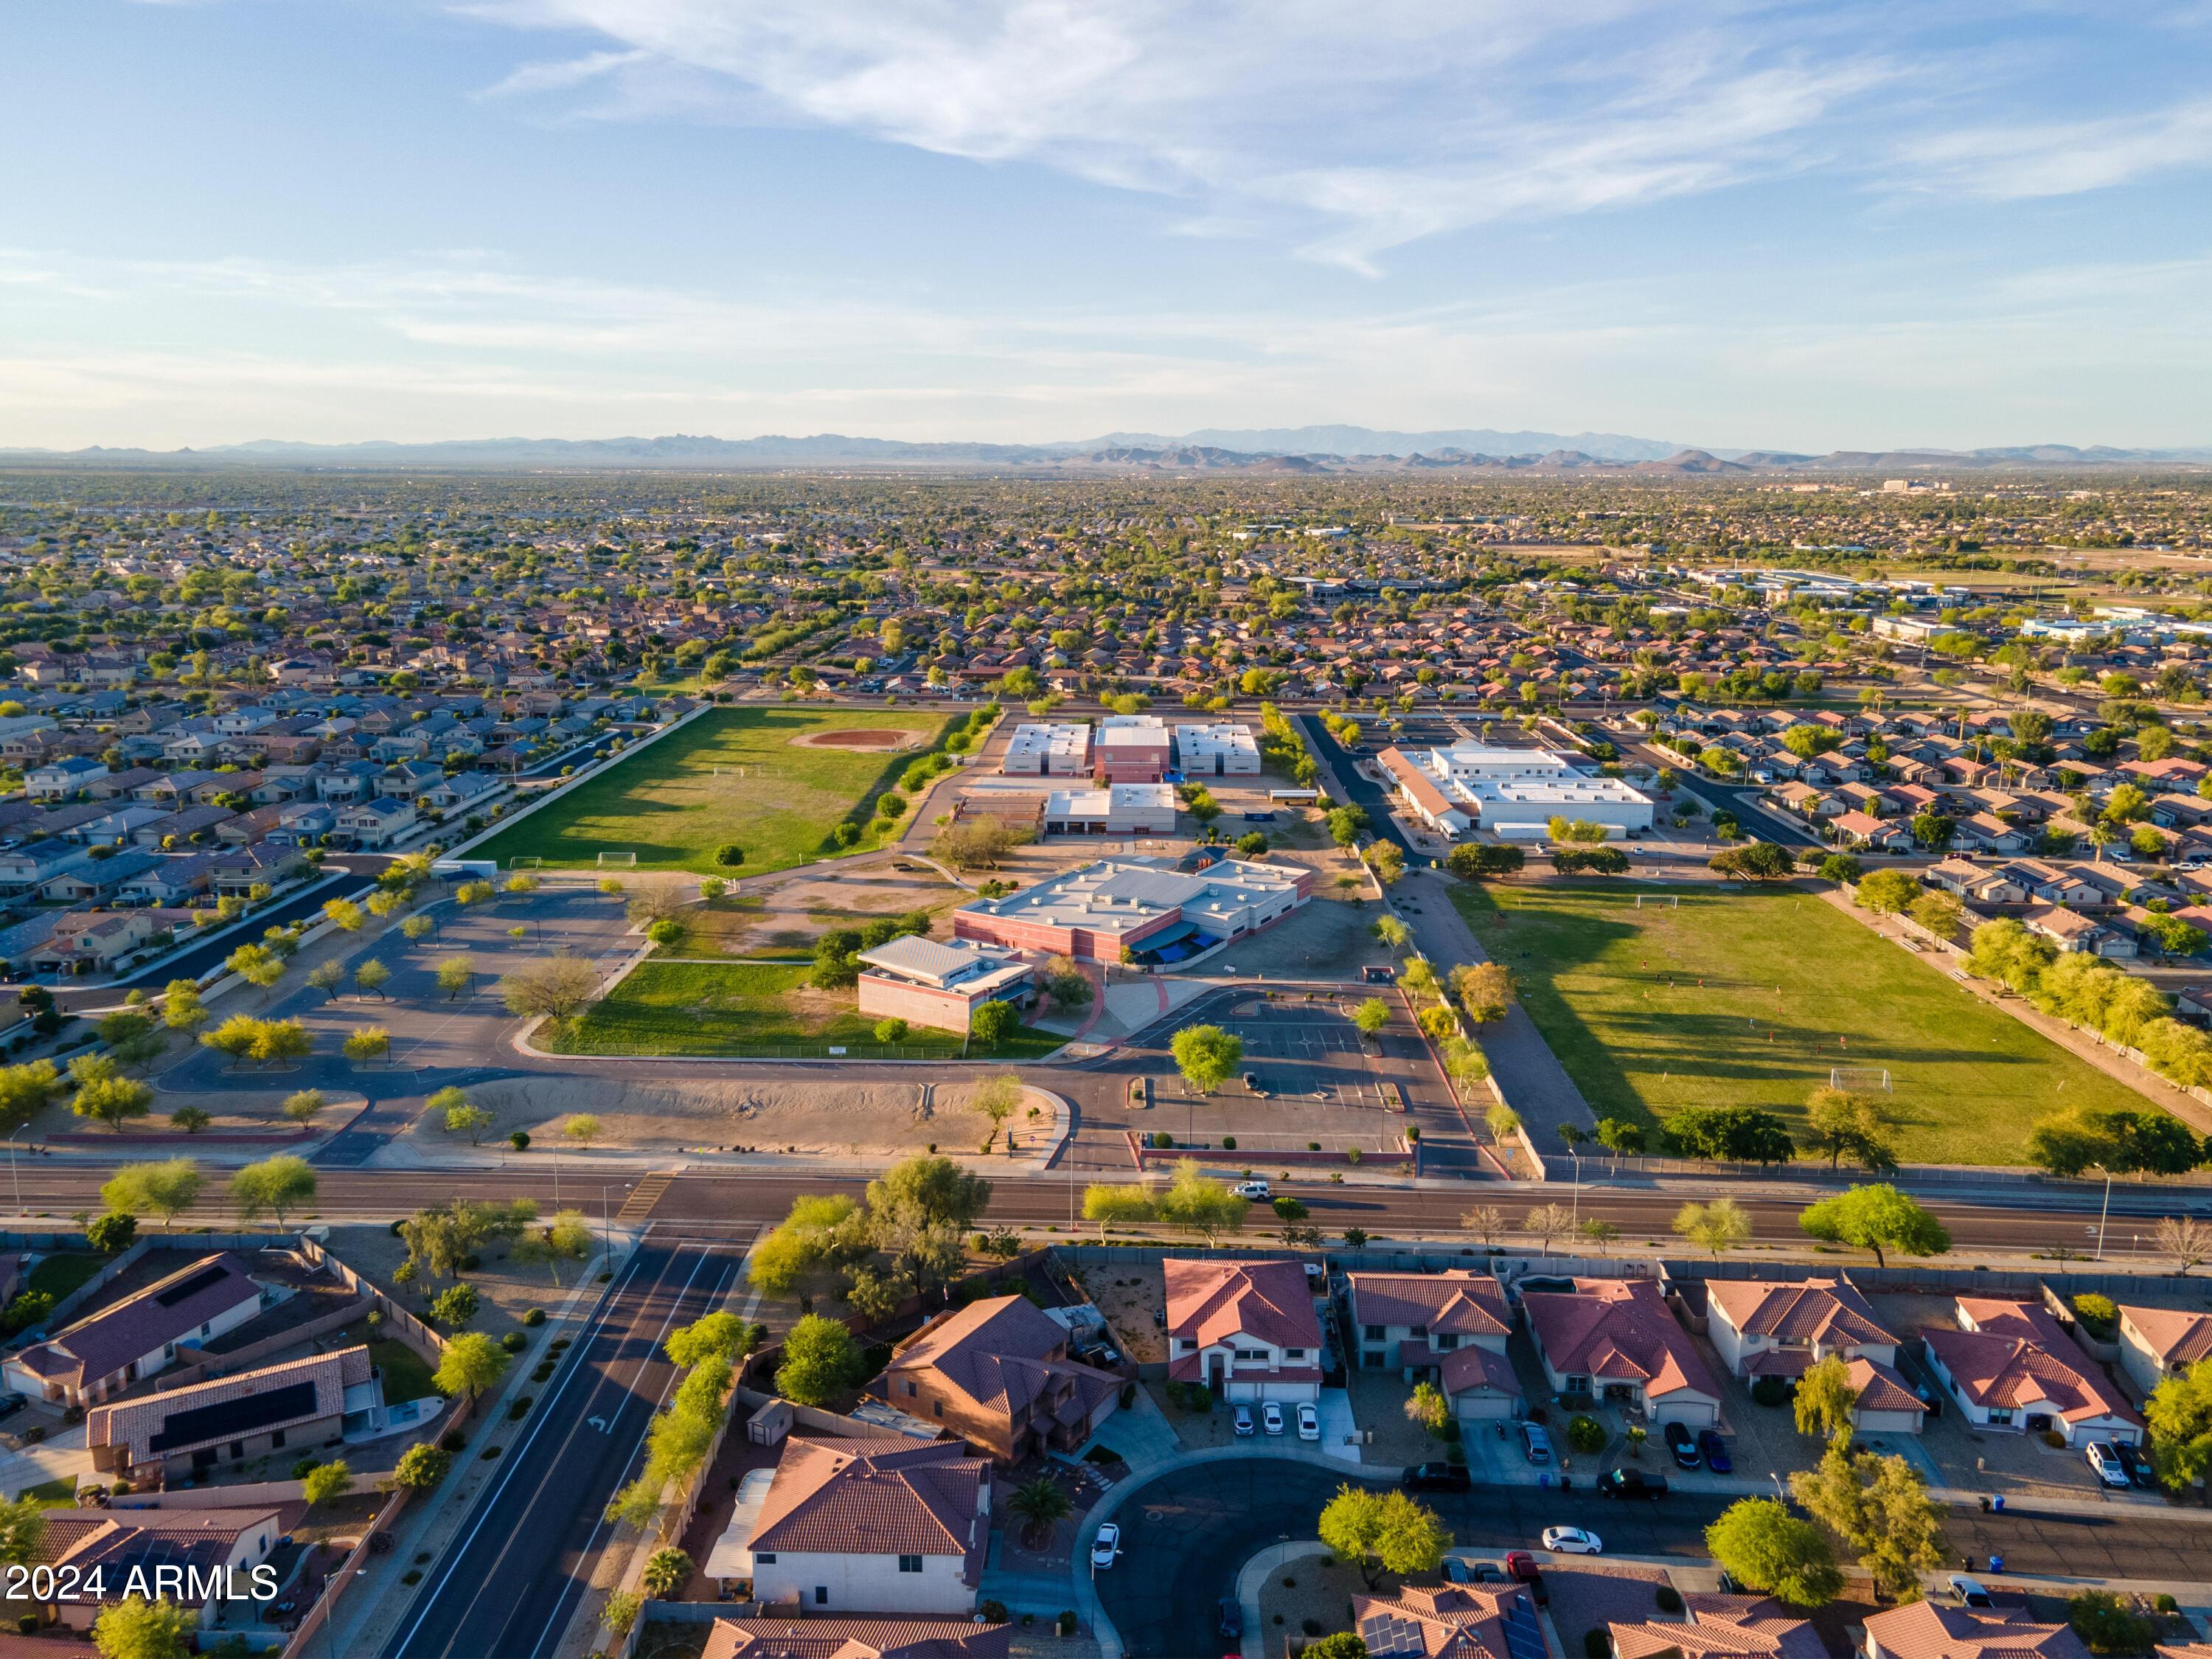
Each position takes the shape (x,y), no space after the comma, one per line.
(16,1173)
(2103,1213)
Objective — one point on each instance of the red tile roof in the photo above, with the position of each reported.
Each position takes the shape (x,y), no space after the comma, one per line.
(1456,1621)
(1829,1311)
(1619,1330)
(1210,1302)
(856,1638)
(1924,1629)
(1882,1389)
(999,1354)
(2174,1338)
(1722,1627)
(135,1423)
(2019,1357)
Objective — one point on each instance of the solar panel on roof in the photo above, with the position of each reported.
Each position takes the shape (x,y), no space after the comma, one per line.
(192,1286)
(231,1419)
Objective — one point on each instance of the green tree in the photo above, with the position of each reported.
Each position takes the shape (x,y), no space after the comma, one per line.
(1383,1532)
(1427,1407)
(1886,892)
(2179,1414)
(113,1100)
(303,1106)
(367,1044)
(457,1306)
(820,1232)
(1842,1123)
(1826,1398)
(1117,1207)
(135,1628)
(820,1359)
(1878,1218)
(1768,1549)
(456,974)
(274,1186)
(1372,1016)
(1878,1506)
(567,1237)
(22,1530)
(1206,1055)
(1197,1203)
(326,1481)
(1040,1506)
(111,1234)
(472,1363)
(719,1336)
(423,1467)
(1720,1226)
(369,977)
(167,1188)
(26,1090)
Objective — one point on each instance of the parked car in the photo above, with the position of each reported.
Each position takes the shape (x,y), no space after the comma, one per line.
(2131,1459)
(1241,1419)
(1683,1445)
(1251,1190)
(1631,1483)
(11,1403)
(1232,1619)
(1104,1355)
(1536,1442)
(1572,1541)
(1970,1593)
(1438,1477)
(1271,1418)
(1488,1573)
(1715,1451)
(1519,1566)
(1106,1546)
(1456,1571)
(1160,1315)
(1309,1423)
(2107,1462)
(1252,1084)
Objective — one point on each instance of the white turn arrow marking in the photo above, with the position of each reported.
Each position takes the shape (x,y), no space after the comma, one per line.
(599,1423)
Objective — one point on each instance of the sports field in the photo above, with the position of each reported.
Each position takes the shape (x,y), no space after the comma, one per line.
(1749,998)
(667,804)
(692,1008)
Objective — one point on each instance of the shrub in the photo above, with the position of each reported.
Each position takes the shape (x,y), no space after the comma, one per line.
(1670,1599)
(994,1613)
(1162,1141)
(1228,1143)
(1201,1397)
(1770,1391)
(28,1623)
(514,1342)
(1585,1435)
(1597,1643)
(2100,1619)
(534,1318)
(454,1442)
(2097,1312)
(412,1576)
(1178,1394)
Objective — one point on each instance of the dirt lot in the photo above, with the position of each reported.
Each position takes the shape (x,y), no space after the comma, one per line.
(1378,1402)
(845,1119)
(508,1290)
(783,914)
(1127,1298)
(259,1111)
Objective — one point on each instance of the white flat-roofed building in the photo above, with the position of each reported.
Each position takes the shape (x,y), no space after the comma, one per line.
(1514,794)
(925,982)
(1146,906)
(1220,750)
(1120,809)
(1046,751)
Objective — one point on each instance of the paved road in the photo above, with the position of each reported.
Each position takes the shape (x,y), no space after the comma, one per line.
(1186,1535)
(529,1545)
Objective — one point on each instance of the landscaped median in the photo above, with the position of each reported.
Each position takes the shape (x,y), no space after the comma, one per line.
(756,1011)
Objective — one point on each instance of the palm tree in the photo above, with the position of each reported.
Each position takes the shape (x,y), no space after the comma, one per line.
(1041,1505)
(2102,835)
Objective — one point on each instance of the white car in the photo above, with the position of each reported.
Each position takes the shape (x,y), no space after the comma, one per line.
(2107,1462)
(1106,1546)
(1572,1541)
(1309,1423)
(1251,1190)
(1970,1592)
(1271,1418)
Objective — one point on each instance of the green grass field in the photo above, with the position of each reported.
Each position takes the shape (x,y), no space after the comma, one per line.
(62,1276)
(665,804)
(406,1373)
(704,1008)
(1790,989)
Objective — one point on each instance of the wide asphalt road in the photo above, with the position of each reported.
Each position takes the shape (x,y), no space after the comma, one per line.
(528,1548)
(1186,1536)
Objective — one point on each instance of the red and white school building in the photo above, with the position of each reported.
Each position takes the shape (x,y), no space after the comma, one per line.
(1145,906)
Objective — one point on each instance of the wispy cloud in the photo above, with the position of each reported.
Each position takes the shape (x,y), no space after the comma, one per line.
(2012,162)
(561,75)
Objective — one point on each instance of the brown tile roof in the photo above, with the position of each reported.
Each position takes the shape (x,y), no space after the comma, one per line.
(2174,1338)
(1458,1303)
(1210,1302)
(135,1423)
(997,1353)
(1882,1389)
(1474,1368)
(1619,1330)
(1828,1311)
(2018,1356)
(117,1540)
(872,1498)
(856,1638)
(104,1343)
(1722,1627)
(1924,1629)
(1455,1621)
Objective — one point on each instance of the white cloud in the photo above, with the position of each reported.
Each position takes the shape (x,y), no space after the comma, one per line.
(559,75)
(2011,163)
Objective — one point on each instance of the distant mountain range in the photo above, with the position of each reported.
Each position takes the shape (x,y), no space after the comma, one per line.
(1294,450)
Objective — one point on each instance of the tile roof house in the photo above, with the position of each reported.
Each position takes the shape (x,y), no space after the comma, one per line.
(997,1374)
(1766,1328)
(1246,1329)
(2156,1342)
(117,1543)
(885,1526)
(176,1435)
(105,1352)
(1615,1338)
(1450,1621)
(856,1638)
(1929,1630)
(1722,1627)
(1450,1327)
(2010,1366)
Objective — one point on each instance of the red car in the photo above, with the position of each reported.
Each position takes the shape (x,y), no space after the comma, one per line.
(1519,1566)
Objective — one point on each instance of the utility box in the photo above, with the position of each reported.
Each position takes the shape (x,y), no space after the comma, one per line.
(769,1425)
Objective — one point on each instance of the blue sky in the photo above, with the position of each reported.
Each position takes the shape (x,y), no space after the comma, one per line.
(1841,224)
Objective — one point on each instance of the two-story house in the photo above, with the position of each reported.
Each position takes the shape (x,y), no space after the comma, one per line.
(1245,1329)
(60,780)
(1449,1327)
(997,1374)
(1762,1328)
(1616,1339)
(873,1525)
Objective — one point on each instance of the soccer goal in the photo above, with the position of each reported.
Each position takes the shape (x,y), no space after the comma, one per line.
(525,861)
(617,860)
(1853,1080)
(1660,901)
